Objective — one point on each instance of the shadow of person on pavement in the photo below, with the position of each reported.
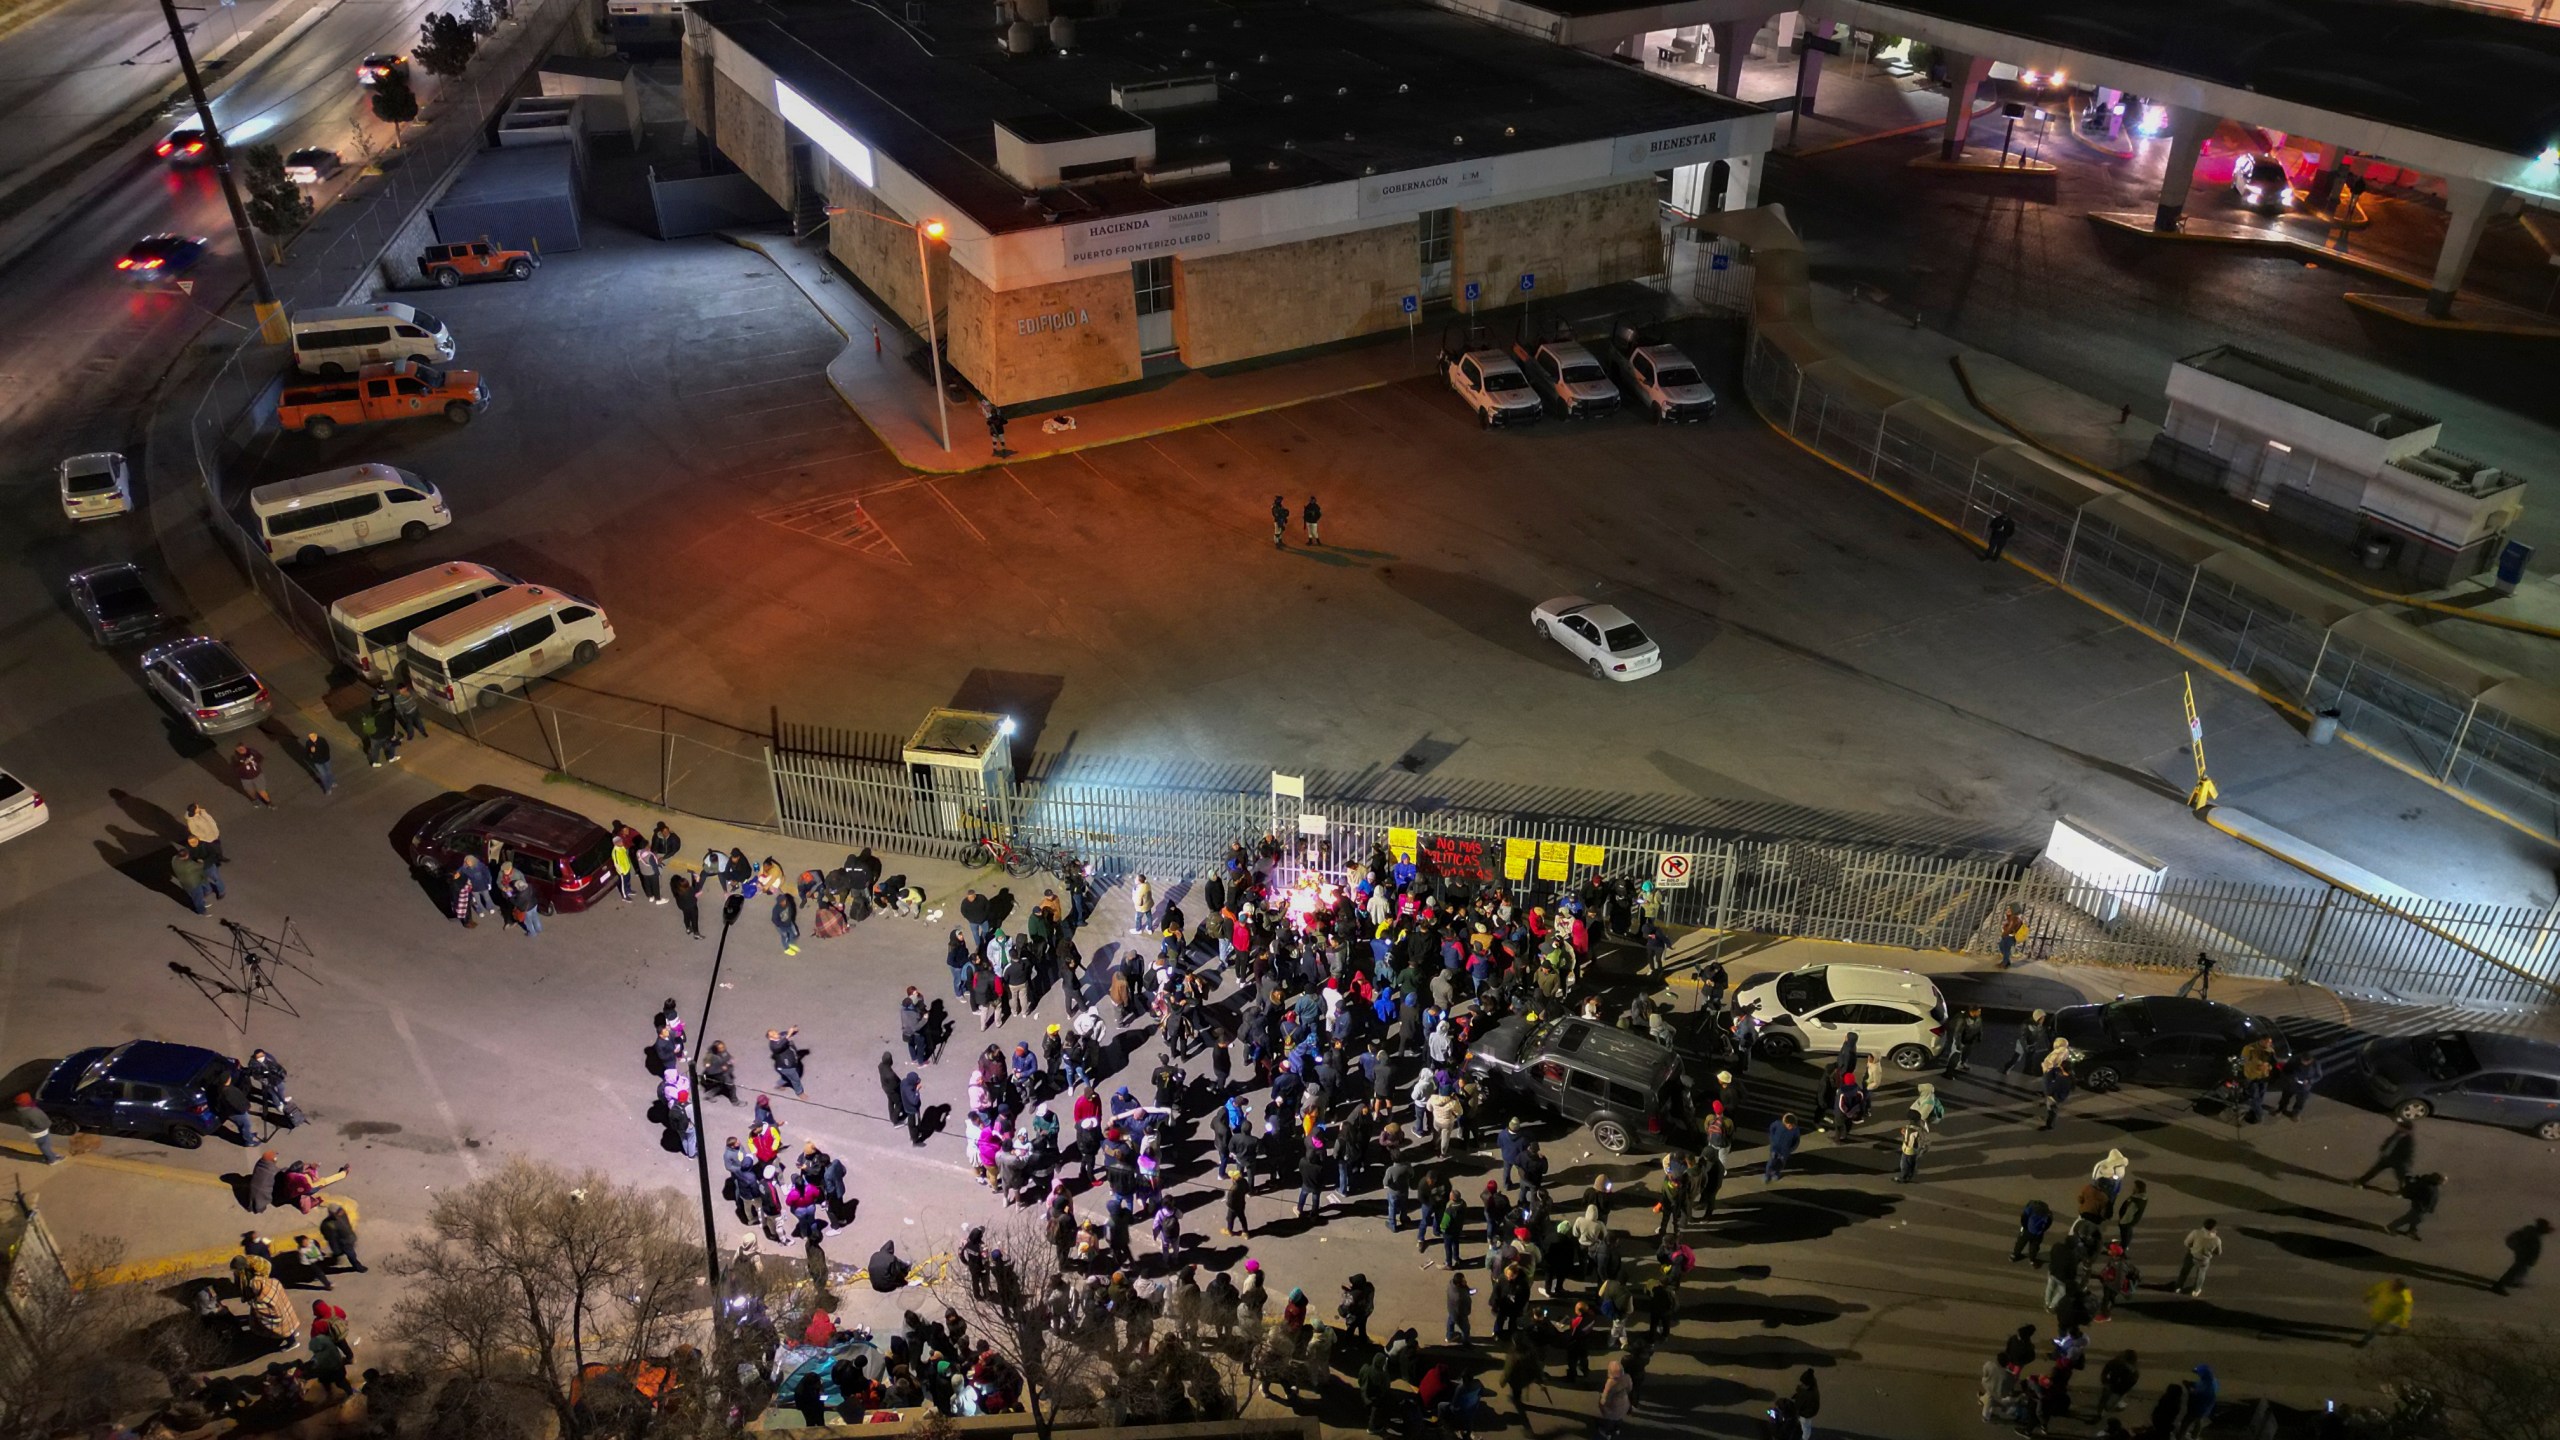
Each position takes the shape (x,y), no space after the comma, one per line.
(2354,1255)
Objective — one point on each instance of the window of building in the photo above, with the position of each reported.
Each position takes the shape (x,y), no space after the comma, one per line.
(1438,227)
(1154,281)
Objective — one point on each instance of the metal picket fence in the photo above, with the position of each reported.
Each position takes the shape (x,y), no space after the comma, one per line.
(2465,724)
(2456,954)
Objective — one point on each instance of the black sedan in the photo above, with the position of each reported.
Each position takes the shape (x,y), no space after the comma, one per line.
(162,257)
(2165,1040)
(115,604)
(2468,1075)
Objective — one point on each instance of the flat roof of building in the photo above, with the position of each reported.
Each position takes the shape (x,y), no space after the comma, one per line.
(1310,92)
(2306,391)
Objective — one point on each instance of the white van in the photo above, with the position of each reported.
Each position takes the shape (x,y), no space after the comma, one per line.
(368,626)
(472,655)
(344,338)
(348,509)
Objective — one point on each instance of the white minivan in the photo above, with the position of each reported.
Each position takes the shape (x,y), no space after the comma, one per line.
(368,627)
(343,339)
(476,653)
(315,515)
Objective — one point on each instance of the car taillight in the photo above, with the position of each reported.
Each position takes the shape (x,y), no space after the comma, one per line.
(1653,1124)
(39,798)
(166,147)
(270,544)
(364,662)
(446,690)
(125,264)
(204,714)
(194,145)
(576,882)
(1621,665)
(1937,1029)
(151,264)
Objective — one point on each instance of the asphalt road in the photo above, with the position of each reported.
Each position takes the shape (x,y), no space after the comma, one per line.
(85,65)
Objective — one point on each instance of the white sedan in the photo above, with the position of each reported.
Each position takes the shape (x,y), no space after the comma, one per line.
(21,808)
(96,485)
(1609,645)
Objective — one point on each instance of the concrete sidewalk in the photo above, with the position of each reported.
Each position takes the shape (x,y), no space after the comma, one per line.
(191,1207)
(896,401)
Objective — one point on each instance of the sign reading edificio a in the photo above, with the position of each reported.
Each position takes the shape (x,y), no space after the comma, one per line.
(1066,319)
(1135,237)
(1667,149)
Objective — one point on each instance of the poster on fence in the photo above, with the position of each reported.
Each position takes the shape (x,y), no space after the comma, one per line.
(1517,856)
(1555,859)
(1459,858)
(1594,856)
(1401,844)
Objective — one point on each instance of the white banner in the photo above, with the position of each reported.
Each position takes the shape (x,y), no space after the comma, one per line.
(1667,149)
(1410,191)
(1290,787)
(1135,237)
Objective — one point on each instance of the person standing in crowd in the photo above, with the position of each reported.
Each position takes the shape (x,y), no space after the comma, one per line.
(2202,1244)
(2389,1306)
(404,710)
(38,1125)
(786,919)
(1312,515)
(315,753)
(788,1058)
(1279,523)
(681,888)
(1784,1136)
(2398,1151)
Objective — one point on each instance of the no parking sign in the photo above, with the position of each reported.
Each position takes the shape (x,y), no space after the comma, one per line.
(1671,872)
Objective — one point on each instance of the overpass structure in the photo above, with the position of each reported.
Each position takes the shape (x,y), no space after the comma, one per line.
(2470,97)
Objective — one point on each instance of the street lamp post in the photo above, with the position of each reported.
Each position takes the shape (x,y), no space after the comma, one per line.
(925,230)
(693,1065)
(270,310)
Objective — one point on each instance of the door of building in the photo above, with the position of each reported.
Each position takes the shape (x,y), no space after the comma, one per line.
(1435,233)
(1153,280)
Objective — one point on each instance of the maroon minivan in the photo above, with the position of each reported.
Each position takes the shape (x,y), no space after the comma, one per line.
(568,857)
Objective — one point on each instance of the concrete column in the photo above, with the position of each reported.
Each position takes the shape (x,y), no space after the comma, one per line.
(1809,65)
(1733,46)
(2470,203)
(1965,74)
(2187,132)
(1742,182)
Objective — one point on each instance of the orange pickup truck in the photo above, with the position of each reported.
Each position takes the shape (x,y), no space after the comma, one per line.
(399,390)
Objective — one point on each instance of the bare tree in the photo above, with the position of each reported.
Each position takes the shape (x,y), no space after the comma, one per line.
(533,1274)
(1060,1374)
(85,1351)
(2487,1384)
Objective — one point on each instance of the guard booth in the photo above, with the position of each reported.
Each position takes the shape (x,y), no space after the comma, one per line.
(960,764)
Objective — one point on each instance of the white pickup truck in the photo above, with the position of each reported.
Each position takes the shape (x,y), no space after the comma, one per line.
(1494,386)
(1662,380)
(1570,378)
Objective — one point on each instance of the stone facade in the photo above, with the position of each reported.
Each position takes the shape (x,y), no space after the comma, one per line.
(698,111)
(881,255)
(753,137)
(1044,340)
(1569,242)
(1287,297)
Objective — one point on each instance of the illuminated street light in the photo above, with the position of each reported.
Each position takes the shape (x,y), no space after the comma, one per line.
(927,229)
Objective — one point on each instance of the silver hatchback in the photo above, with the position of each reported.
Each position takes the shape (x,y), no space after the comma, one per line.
(206,684)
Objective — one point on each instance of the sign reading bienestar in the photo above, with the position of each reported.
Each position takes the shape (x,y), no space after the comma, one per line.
(1666,149)
(1134,237)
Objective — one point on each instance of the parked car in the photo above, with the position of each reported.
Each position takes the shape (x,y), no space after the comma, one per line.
(1609,645)
(450,265)
(400,390)
(185,145)
(95,485)
(2468,1075)
(115,604)
(1625,1087)
(1493,386)
(312,165)
(206,684)
(149,1088)
(1663,381)
(21,808)
(1569,378)
(1898,1014)
(165,256)
(568,857)
(2173,1041)
(380,66)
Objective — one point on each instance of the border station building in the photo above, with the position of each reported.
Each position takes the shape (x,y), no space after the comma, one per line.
(1188,183)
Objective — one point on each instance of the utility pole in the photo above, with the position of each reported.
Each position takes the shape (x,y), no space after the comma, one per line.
(271,324)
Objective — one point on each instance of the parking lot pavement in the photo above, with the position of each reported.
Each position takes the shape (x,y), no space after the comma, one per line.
(663,442)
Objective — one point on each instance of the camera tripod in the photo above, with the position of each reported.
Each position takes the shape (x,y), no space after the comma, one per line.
(245,967)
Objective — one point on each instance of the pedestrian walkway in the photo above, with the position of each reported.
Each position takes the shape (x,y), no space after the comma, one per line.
(895,399)
(151,1217)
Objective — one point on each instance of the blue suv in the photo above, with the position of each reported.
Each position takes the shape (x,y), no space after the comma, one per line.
(148,1088)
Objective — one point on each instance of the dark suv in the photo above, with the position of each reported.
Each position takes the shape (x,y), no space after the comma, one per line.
(1622,1085)
(2167,1040)
(568,857)
(115,604)
(149,1088)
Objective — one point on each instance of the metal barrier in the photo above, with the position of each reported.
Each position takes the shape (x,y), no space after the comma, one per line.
(1870,895)
(2455,721)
